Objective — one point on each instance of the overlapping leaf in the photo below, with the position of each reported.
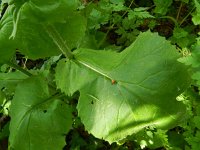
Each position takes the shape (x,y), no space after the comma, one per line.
(122,93)
(11,79)
(162,6)
(31,17)
(7,45)
(193,60)
(47,10)
(196,16)
(39,121)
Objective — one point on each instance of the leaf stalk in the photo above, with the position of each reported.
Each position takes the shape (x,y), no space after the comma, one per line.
(13,65)
(59,41)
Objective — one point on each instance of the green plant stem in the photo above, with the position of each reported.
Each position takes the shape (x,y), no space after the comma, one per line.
(179,10)
(187,16)
(104,37)
(19,68)
(59,41)
(26,72)
(172,19)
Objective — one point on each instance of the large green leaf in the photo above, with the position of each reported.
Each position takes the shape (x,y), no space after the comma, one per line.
(31,19)
(7,45)
(48,10)
(128,91)
(67,71)
(38,121)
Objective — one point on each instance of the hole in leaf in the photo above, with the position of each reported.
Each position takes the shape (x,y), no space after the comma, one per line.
(75,114)
(73,49)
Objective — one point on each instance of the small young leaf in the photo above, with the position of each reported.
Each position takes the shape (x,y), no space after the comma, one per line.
(139,13)
(162,6)
(196,15)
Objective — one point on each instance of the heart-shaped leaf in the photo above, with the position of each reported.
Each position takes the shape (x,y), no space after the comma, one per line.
(123,93)
(39,120)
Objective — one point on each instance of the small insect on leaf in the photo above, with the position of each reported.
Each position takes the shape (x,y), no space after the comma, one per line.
(114,82)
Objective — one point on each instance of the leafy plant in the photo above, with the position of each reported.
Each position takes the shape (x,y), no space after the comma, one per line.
(162,6)
(132,94)
(124,92)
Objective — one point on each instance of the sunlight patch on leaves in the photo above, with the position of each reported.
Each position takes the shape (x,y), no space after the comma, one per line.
(127,91)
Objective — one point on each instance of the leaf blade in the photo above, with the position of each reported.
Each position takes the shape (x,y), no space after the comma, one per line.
(147,78)
(7,45)
(37,121)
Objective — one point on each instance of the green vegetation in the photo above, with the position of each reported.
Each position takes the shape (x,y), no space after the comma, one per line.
(99,74)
